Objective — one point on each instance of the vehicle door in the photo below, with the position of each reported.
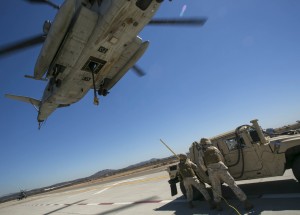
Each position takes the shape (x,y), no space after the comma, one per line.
(240,158)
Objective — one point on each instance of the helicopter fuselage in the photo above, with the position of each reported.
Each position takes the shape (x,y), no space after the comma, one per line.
(91,44)
(99,45)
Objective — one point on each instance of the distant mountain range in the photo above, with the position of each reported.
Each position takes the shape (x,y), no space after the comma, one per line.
(109,172)
(103,173)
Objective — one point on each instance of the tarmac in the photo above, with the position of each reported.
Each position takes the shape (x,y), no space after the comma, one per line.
(149,193)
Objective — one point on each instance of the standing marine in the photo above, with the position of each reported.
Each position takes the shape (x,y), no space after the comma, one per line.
(186,173)
(213,161)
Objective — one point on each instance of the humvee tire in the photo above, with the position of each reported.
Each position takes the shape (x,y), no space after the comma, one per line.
(296,168)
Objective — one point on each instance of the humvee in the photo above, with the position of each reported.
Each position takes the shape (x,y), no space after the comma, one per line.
(249,153)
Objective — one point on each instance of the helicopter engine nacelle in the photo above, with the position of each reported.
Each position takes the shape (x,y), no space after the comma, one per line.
(138,47)
(54,38)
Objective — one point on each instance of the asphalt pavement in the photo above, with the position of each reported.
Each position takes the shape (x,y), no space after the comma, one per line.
(149,193)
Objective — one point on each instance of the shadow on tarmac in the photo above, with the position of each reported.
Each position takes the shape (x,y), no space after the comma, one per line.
(257,190)
(67,205)
(255,193)
(113,211)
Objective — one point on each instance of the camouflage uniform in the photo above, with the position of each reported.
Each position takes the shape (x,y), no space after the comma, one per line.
(187,174)
(218,172)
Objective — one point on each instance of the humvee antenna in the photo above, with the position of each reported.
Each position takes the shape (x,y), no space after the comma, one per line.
(169,148)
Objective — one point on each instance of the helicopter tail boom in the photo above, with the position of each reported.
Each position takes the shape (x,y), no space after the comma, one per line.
(29,100)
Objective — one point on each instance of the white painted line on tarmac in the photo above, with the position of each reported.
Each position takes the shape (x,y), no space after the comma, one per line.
(123,203)
(166,201)
(128,180)
(92,204)
(120,182)
(114,203)
(102,190)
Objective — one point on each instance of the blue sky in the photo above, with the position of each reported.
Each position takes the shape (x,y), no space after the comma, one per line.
(243,64)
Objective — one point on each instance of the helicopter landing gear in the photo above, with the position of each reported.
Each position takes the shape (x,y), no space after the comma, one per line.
(103,92)
(53,82)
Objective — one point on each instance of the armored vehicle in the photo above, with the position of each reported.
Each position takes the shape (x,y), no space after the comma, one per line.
(249,153)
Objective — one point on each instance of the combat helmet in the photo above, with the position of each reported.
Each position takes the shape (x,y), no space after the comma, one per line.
(205,141)
(182,156)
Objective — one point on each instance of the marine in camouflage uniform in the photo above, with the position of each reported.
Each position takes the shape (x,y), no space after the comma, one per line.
(218,172)
(186,173)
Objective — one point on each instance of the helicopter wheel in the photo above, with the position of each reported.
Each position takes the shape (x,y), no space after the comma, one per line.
(103,92)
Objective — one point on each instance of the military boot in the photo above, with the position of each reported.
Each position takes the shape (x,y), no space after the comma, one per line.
(219,206)
(248,205)
(212,204)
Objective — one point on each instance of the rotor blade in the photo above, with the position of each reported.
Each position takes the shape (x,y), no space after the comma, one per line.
(4,50)
(44,2)
(138,71)
(189,21)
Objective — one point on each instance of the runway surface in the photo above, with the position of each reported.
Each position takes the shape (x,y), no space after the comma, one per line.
(149,193)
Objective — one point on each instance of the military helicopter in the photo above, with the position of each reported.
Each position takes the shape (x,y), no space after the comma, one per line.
(22,195)
(91,44)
